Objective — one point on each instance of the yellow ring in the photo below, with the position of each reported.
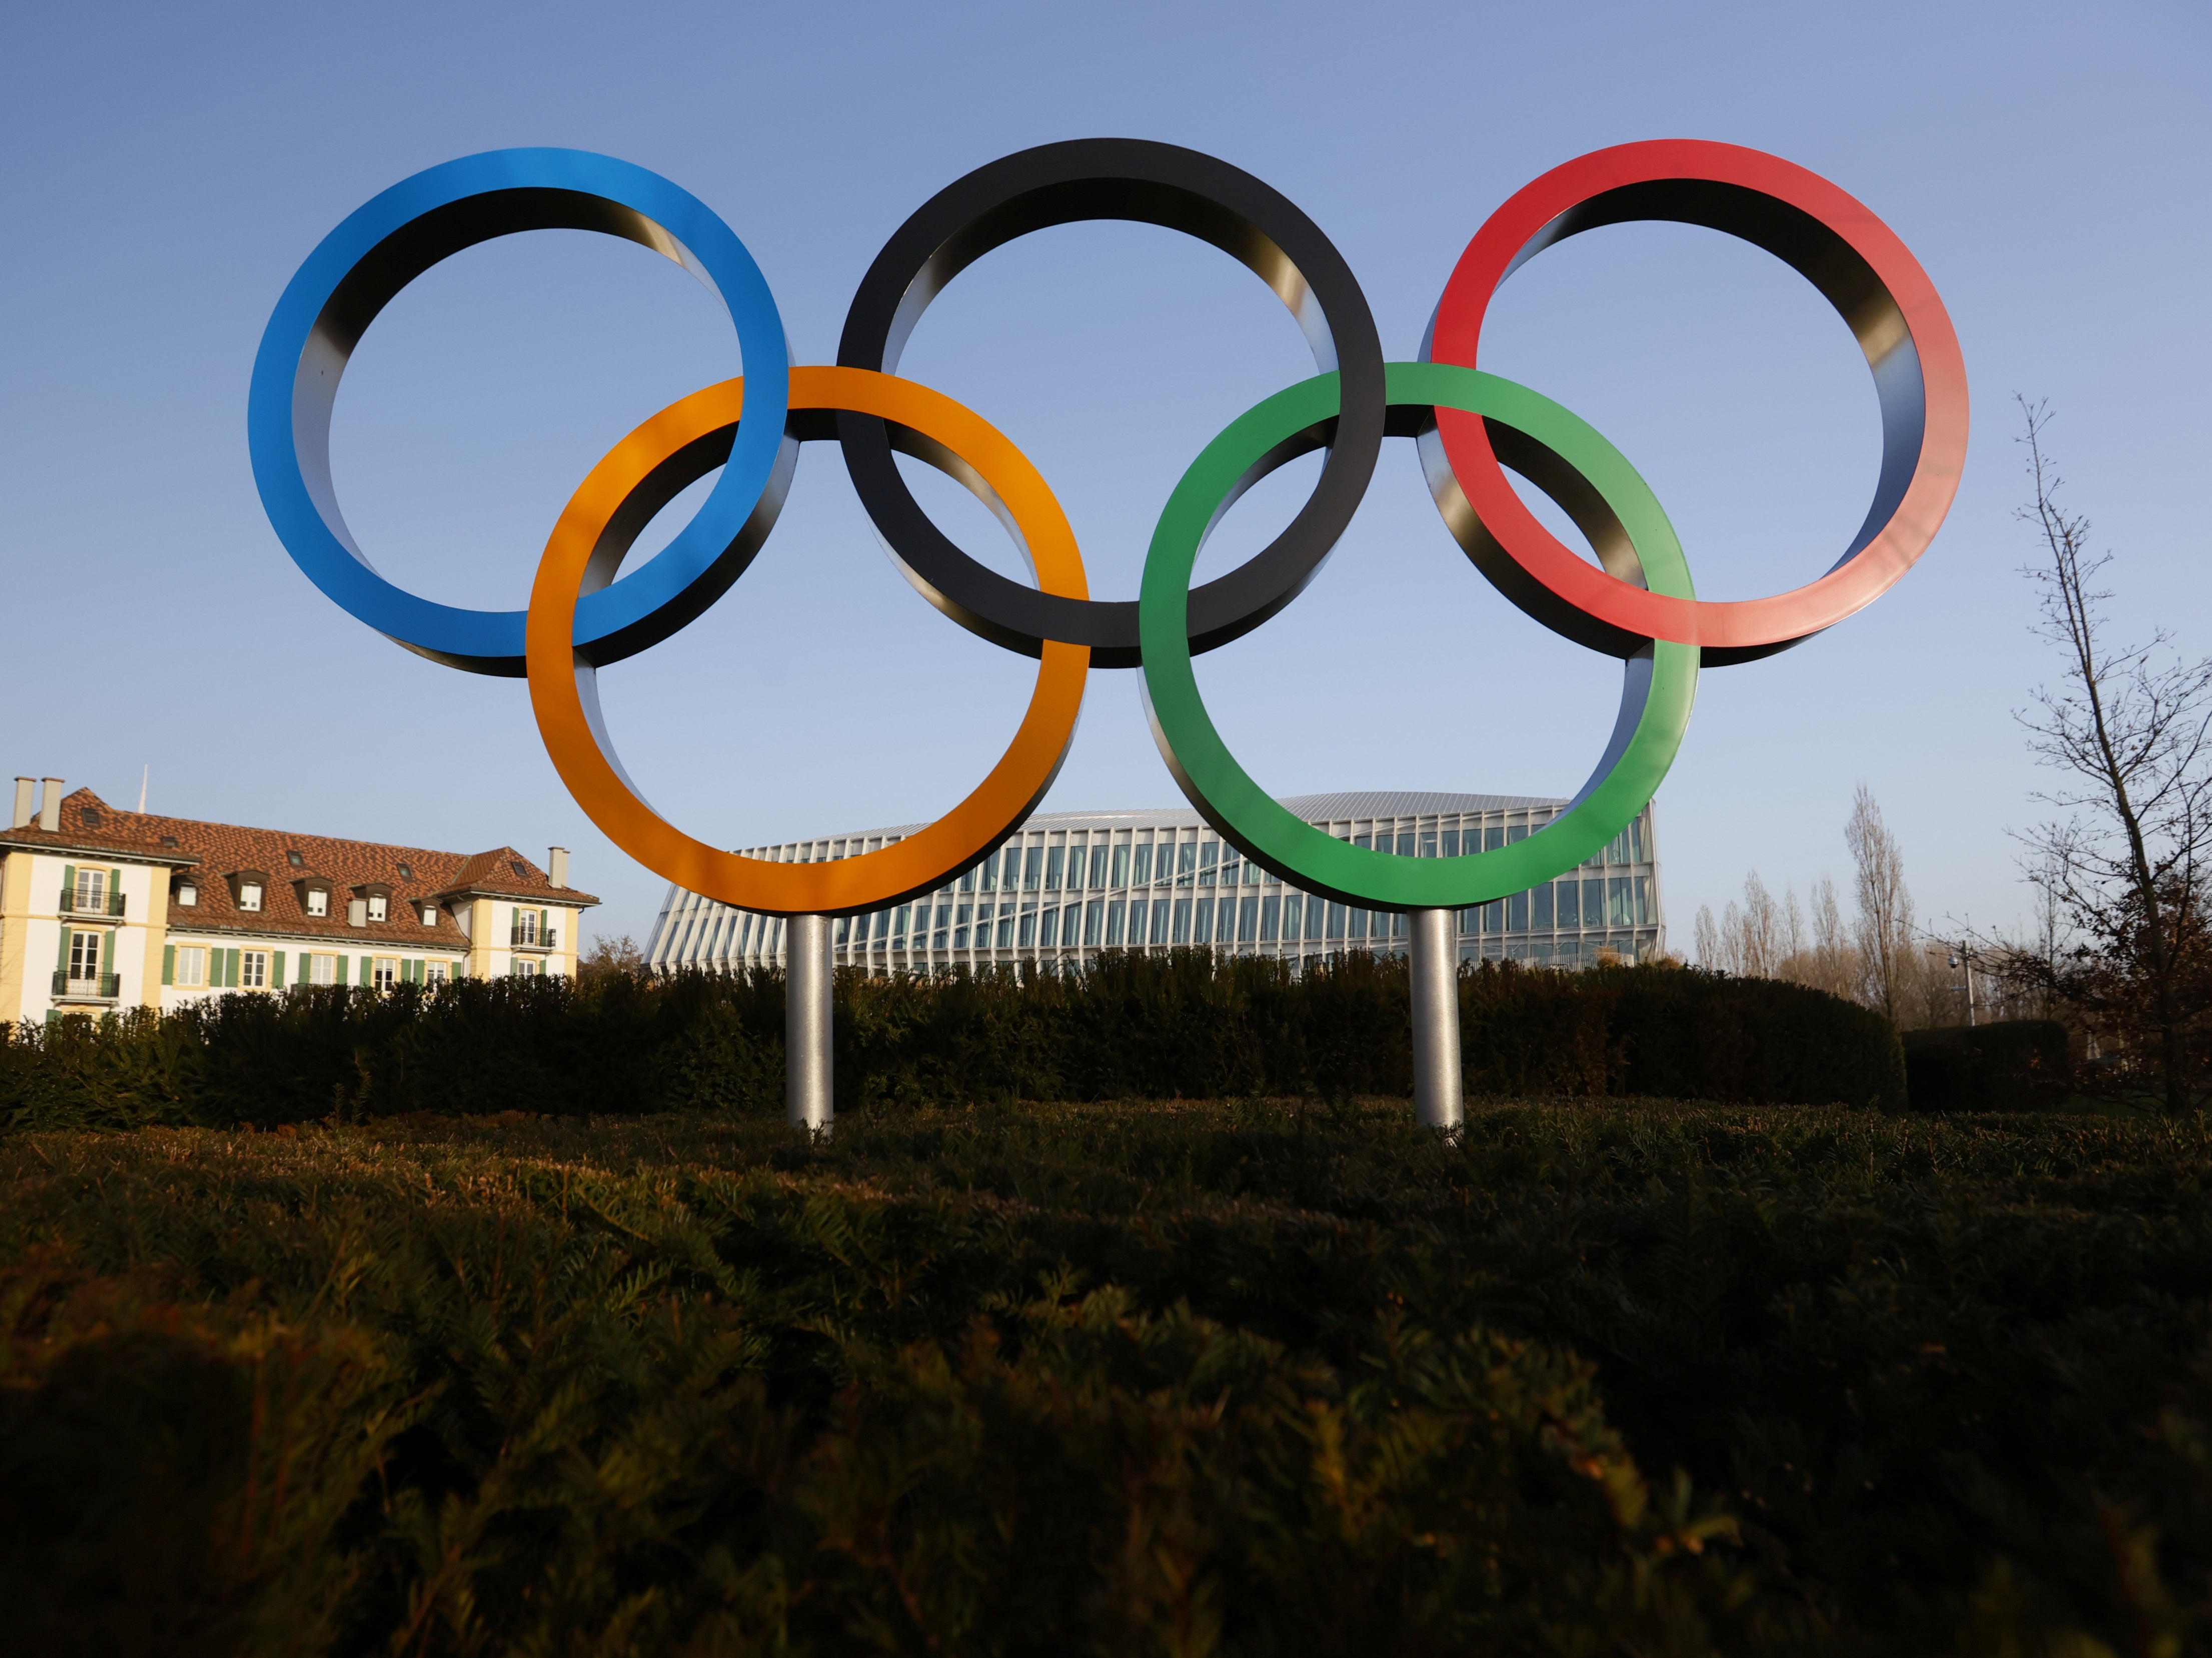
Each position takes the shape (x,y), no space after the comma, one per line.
(561,683)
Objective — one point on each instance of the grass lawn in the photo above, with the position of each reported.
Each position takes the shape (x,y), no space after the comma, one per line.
(1235,1377)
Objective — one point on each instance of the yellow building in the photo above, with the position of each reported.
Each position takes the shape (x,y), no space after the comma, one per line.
(101,909)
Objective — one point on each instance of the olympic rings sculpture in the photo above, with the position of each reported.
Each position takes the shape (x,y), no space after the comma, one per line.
(1636,603)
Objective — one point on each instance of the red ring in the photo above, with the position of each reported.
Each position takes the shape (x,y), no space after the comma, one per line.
(1883,294)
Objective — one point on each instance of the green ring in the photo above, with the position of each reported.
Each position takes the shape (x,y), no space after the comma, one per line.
(1292,422)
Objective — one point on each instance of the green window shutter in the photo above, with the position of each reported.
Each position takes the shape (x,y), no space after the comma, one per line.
(168,964)
(230,970)
(61,961)
(68,881)
(367,968)
(115,892)
(108,940)
(306,963)
(544,926)
(276,967)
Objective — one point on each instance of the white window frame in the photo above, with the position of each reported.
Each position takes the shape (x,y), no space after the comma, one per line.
(524,966)
(319,900)
(253,969)
(85,942)
(379,908)
(430,915)
(188,894)
(324,969)
(384,973)
(91,895)
(250,896)
(435,972)
(191,966)
(525,930)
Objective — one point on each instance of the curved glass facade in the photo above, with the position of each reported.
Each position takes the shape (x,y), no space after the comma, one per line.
(1069,884)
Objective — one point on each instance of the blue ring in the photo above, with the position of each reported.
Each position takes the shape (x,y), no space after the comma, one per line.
(389,240)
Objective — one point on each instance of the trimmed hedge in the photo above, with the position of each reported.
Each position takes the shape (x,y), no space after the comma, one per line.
(1180,1026)
(1622,1379)
(2011,1066)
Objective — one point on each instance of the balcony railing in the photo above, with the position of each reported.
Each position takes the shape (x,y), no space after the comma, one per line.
(100,988)
(110,903)
(533,939)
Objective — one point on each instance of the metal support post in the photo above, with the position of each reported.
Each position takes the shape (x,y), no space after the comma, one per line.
(808,1101)
(1435,986)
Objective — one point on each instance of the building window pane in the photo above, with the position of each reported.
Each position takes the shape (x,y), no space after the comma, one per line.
(91,894)
(1643,917)
(1571,909)
(1032,868)
(249,896)
(322,970)
(1069,915)
(1208,856)
(1336,920)
(1028,928)
(1121,866)
(1114,913)
(1270,916)
(1098,857)
(1202,927)
(1517,913)
(1140,866)
(434,973)
(1159,921)
(1180,935)
(1186,862)
(1540,909)
(1293,914)
(1355,923)
(253,969)
(191,965)
(1450,843)
(84,955)
(1594,902)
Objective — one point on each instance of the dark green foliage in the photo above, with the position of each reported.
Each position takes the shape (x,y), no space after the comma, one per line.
(2010,1066)
(1181,1378)
(1182,1026)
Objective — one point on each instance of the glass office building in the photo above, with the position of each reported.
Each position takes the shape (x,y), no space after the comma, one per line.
(1069,884)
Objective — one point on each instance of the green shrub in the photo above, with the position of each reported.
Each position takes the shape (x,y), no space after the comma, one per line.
(1185,1025)
(2010,1066)
(1234,1378)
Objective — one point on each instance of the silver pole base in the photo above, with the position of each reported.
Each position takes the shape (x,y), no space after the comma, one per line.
(1434,981)
(808,1100)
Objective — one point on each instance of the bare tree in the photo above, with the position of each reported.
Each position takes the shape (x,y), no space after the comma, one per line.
(1885,906)
(611,956)
(1708,938)
(2125,728)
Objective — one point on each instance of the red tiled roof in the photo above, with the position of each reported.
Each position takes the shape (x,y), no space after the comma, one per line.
(413,876)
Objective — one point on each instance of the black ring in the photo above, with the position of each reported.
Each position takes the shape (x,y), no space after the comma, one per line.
(1149,183)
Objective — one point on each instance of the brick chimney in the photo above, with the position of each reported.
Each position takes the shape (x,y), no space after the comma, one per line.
(50,806)
(556,866)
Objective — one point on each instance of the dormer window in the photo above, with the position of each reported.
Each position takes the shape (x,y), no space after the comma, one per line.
(407,872)
(318,901)
(188,895)
(430,915)
(249,896)
(377,904)
(295,860)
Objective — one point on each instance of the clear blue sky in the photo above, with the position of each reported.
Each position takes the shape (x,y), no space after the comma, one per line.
(163,170)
